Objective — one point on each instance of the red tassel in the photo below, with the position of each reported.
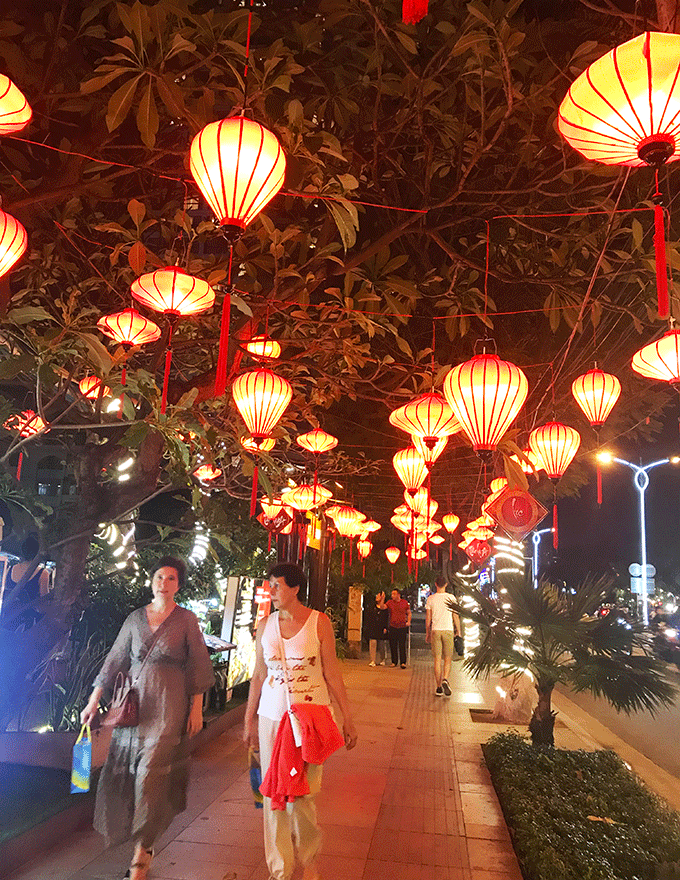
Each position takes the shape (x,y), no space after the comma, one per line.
(269,543)
(392,578)
(123,377)
(19,464)
(342,567)
(253,492)
(166,377)
(412,11)
(223,353)
(350,552)
(363,570)
(660,254)
(599,483)
(555,532)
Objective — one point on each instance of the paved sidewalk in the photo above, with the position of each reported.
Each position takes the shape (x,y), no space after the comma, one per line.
(413,801)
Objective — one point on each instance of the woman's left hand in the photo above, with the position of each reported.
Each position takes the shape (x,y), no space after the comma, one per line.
(195,720)
(350,733)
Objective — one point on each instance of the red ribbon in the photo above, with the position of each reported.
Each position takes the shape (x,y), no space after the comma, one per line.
(599,483)
(660,254)
(166,377)
(223,352)
(555,532)
(412,11)
(253,492)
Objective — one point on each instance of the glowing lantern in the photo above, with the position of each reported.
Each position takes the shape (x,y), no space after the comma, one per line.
(451,522)
(428,416)
(332,510)
(261,397)
(402,522)
(206,473)
(27,424)
(430,453)
(596,392)
(661,359)
(416,553)
(129,328)
(555,445)
(317,441)
(261,347)
(271,508)
(486,394)
(625,110)
(90,385)
(497,484)
(420,502)
(364,547)
(15,111)
(239,166)
(530,467)
(392,554)
(412,11)
(264,444)
(437,539)
(346,520)
(13,242)
(410,468)
(307,497)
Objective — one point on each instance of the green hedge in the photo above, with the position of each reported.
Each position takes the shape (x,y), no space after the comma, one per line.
(547,797)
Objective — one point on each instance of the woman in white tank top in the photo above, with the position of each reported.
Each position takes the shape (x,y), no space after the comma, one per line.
(314,673)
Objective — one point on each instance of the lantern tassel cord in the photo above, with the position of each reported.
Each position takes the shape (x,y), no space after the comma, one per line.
(19,464)
(253,491)
(412,11)
(660,252)
(269,542)
(555,526)
(342,565)
(166,377)
(599,484)
(223,351)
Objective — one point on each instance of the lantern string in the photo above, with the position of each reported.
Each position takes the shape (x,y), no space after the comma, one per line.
(223,350)
(486,270)
(247,58)
(660,250)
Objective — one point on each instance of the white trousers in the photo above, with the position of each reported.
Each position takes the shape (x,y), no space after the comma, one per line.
(294,828)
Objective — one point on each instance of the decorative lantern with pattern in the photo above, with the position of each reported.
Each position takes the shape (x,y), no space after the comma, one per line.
(392,554)
(555,446)
(15,111)
(421,503)
(486,394)
(661,359)
(128,328)
(428,416)
(271,508)
(596,392)
(26,424)
(430,453)
(13,242)
(410,468)
(263,347)
(307,497)
(264,444)
(90,387)
(206,473)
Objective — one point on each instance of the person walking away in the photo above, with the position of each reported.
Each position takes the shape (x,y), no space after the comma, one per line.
(20,608)
(377,628)
(441,625)
(143,783)
(311,675)
(399,623)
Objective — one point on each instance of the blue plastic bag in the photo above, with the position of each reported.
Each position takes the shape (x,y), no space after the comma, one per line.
(82,761)
(255,776)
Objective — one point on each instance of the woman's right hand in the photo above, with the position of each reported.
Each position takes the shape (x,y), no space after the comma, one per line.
(89,713)
(251,734)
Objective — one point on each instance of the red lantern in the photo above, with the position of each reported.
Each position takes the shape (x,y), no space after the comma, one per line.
(596,392)
(317,441)
(415,553)
(486,394)
(306,497)
(239,166)
(392,554)
(530,467)
(89,387)
(420,503)
(661,359)
(206,473)
(129,328)
(437,539)
(13,242)
(428,416)
(430,453)
(27,424)
(271,508)
(451,522)
(555,445)
(261,347)
(264,444)
(364,548)
(410,468)
(625,110)
(478,551)
(15,111)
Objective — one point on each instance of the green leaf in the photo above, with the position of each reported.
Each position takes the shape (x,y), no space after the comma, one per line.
(147,117)
(514,474)
(241,305)
(638,233)
(135,435)
(28,314)
(98,82)
(10,368)
(186,401)
(120,103)
(407,42)
(97,351)
(137,257)
(345,223)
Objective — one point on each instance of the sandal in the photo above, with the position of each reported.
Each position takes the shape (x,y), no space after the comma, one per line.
(139,869)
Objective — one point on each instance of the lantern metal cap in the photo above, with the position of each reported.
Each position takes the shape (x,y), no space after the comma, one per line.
(232,231)
(656,149)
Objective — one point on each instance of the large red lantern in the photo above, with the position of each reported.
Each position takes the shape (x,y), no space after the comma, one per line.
(661,359)
(625,110)
(261,397)
(486,394)
(410,468)
(596,392)
(555,446)
(428,416)
(13,242)
(15,111)
(176,294)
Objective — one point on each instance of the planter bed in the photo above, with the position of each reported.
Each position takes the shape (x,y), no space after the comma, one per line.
(576,815)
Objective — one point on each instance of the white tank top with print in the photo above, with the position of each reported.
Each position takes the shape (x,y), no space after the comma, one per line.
(305,673)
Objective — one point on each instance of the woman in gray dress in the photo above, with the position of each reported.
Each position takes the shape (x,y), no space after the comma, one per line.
(143,783)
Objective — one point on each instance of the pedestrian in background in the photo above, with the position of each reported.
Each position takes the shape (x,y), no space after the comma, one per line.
(441,625)
(376,630)
(143,784)
(399,623)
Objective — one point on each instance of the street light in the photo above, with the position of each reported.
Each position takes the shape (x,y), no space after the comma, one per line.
(536,538)
(640,481)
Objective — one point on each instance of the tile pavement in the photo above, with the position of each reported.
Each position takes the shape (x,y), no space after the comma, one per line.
(413,801)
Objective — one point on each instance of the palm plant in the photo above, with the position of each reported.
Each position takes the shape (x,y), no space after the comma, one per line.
(558,638)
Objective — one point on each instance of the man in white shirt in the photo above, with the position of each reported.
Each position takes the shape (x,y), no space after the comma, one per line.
(441,624)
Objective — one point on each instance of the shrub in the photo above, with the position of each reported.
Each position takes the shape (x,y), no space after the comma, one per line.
(577,815)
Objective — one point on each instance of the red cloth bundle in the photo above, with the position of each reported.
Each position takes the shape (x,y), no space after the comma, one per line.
(286,777)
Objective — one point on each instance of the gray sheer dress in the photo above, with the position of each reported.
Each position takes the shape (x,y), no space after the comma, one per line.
(143,783)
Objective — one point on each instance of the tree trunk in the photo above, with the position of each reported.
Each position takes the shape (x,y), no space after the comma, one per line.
(542,724)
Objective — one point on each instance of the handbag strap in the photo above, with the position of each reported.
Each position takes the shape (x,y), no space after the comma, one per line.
(152,644)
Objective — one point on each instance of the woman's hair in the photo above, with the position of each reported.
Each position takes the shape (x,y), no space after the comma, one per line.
(179,565)
(293,575)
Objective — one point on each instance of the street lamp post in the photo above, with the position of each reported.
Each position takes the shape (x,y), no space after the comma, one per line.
(641,481)
(536,539)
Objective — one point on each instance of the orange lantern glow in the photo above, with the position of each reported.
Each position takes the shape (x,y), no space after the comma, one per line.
(418,502)
(271,508)
(317,441)
(411,468)
(451,522)
(596,392)
(370,526)
(416,553)
(15,111)
(239,166)
(264,444)
(346,520)
(437,539)
(625,110)
(530,467)
(364,548)
(90,385)
(486,394)
(392,554)
(262,347)
(13,242)
(555,445)
(661,359)
(27,424)
(206,473)
(497,484)
(129,328)
(430,453)
(261,397)
(403,522)
(428,416)
(306,497)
